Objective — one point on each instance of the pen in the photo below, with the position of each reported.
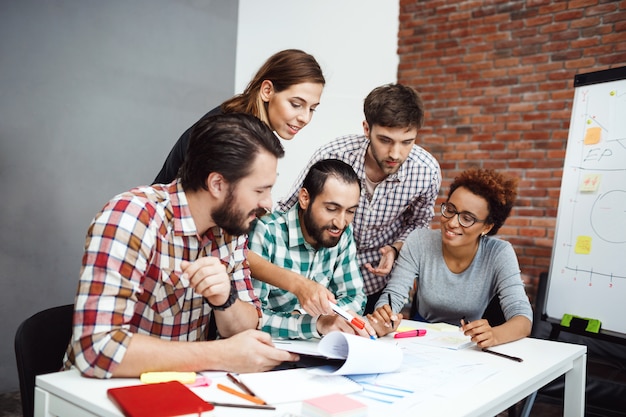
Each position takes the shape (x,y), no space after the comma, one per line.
(389,300)
(240,384)
(503,355)
(410,333)
(352,320)
(260,407)
(245,396)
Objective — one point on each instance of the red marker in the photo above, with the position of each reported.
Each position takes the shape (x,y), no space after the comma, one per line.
(410,333)
(353,320)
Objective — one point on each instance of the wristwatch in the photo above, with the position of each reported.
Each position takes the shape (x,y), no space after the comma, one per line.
(231,299)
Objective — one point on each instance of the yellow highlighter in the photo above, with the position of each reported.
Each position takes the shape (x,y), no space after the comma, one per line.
(155,377)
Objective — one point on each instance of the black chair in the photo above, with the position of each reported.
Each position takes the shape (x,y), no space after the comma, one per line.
(40,344)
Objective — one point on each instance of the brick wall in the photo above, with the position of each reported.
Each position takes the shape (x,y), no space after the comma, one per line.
(497,80)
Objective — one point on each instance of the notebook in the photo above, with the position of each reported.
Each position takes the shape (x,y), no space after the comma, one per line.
(297,384)
(163,399)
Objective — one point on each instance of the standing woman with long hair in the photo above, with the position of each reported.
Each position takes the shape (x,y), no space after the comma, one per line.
(284,93)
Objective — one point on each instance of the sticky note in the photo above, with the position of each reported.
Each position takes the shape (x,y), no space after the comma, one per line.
(155,377)
(583,245)
(333,405)
(590,183)
(592,136)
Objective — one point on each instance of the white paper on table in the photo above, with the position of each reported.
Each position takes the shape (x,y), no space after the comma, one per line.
(361,355)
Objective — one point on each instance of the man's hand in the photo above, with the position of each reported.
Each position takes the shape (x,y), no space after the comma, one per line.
(253,351)
(387,258)
(313,297)
(208,277)
(334,322)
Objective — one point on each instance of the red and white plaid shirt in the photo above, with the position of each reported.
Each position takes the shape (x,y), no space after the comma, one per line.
(130,277)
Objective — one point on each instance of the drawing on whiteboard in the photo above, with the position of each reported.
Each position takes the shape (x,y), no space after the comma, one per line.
(588,267)
(598,166)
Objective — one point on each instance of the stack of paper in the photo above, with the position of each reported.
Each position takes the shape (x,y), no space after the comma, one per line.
(355,353)
(298,384)
(440,335)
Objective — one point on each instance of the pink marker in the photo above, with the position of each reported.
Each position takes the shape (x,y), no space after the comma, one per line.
(410,333)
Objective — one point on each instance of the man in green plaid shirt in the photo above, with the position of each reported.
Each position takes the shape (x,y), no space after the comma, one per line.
(314,238)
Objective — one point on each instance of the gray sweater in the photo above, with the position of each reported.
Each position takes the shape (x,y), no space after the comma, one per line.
(444,296)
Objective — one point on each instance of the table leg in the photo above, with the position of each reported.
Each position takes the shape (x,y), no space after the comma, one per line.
(575,379)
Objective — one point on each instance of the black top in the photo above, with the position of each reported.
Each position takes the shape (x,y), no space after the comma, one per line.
(175,159)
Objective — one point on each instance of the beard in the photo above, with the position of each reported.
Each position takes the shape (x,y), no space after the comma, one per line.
(231,220)
(316,232)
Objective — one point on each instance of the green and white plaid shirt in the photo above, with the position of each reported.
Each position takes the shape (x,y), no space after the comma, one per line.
(278,238)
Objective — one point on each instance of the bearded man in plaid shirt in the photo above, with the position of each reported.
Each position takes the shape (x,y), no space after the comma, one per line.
(159,259)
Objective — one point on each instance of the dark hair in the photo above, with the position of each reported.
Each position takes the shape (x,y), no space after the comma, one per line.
(499,191)
(320,171)
(283,69)
(394,105)
(228,144)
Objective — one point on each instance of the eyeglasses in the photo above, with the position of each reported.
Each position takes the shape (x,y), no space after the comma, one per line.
(465,218)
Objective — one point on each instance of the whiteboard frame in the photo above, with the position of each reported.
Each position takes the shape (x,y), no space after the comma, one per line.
(580,80)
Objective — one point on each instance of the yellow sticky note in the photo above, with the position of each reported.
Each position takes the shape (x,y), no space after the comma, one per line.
(583,245)
(401,329)
(442,327)
(155,377)
(592,136)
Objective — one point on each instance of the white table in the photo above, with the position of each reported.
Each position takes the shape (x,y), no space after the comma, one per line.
(67,394)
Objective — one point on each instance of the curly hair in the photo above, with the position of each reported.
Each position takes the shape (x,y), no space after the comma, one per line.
(498,190)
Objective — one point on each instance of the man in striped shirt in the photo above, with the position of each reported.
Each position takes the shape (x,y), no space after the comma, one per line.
(314,239)
(399,186)
(159,259)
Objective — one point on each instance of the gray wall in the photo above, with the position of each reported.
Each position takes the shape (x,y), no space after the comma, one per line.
(92,96)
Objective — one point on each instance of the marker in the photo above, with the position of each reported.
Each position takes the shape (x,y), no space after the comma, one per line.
(503,355)
(389,300)
(250,398)
(240,384)
(410,333)
(259,407)
(352,320)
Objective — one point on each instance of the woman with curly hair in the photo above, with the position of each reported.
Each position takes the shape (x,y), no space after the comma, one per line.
(458,269)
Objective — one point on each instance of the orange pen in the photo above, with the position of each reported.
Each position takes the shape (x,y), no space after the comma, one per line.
(250,398)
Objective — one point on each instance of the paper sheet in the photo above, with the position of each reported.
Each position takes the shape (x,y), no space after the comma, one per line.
(362,355)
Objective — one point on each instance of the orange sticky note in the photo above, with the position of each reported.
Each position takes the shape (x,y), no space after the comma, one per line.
(592,136)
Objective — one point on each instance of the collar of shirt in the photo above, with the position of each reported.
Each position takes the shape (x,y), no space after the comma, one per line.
(296,237)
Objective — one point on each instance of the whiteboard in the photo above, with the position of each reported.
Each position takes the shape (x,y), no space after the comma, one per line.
(588,268)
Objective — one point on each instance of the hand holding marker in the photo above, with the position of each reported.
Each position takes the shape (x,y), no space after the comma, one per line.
(355,321)
(352,320)
(502,355)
